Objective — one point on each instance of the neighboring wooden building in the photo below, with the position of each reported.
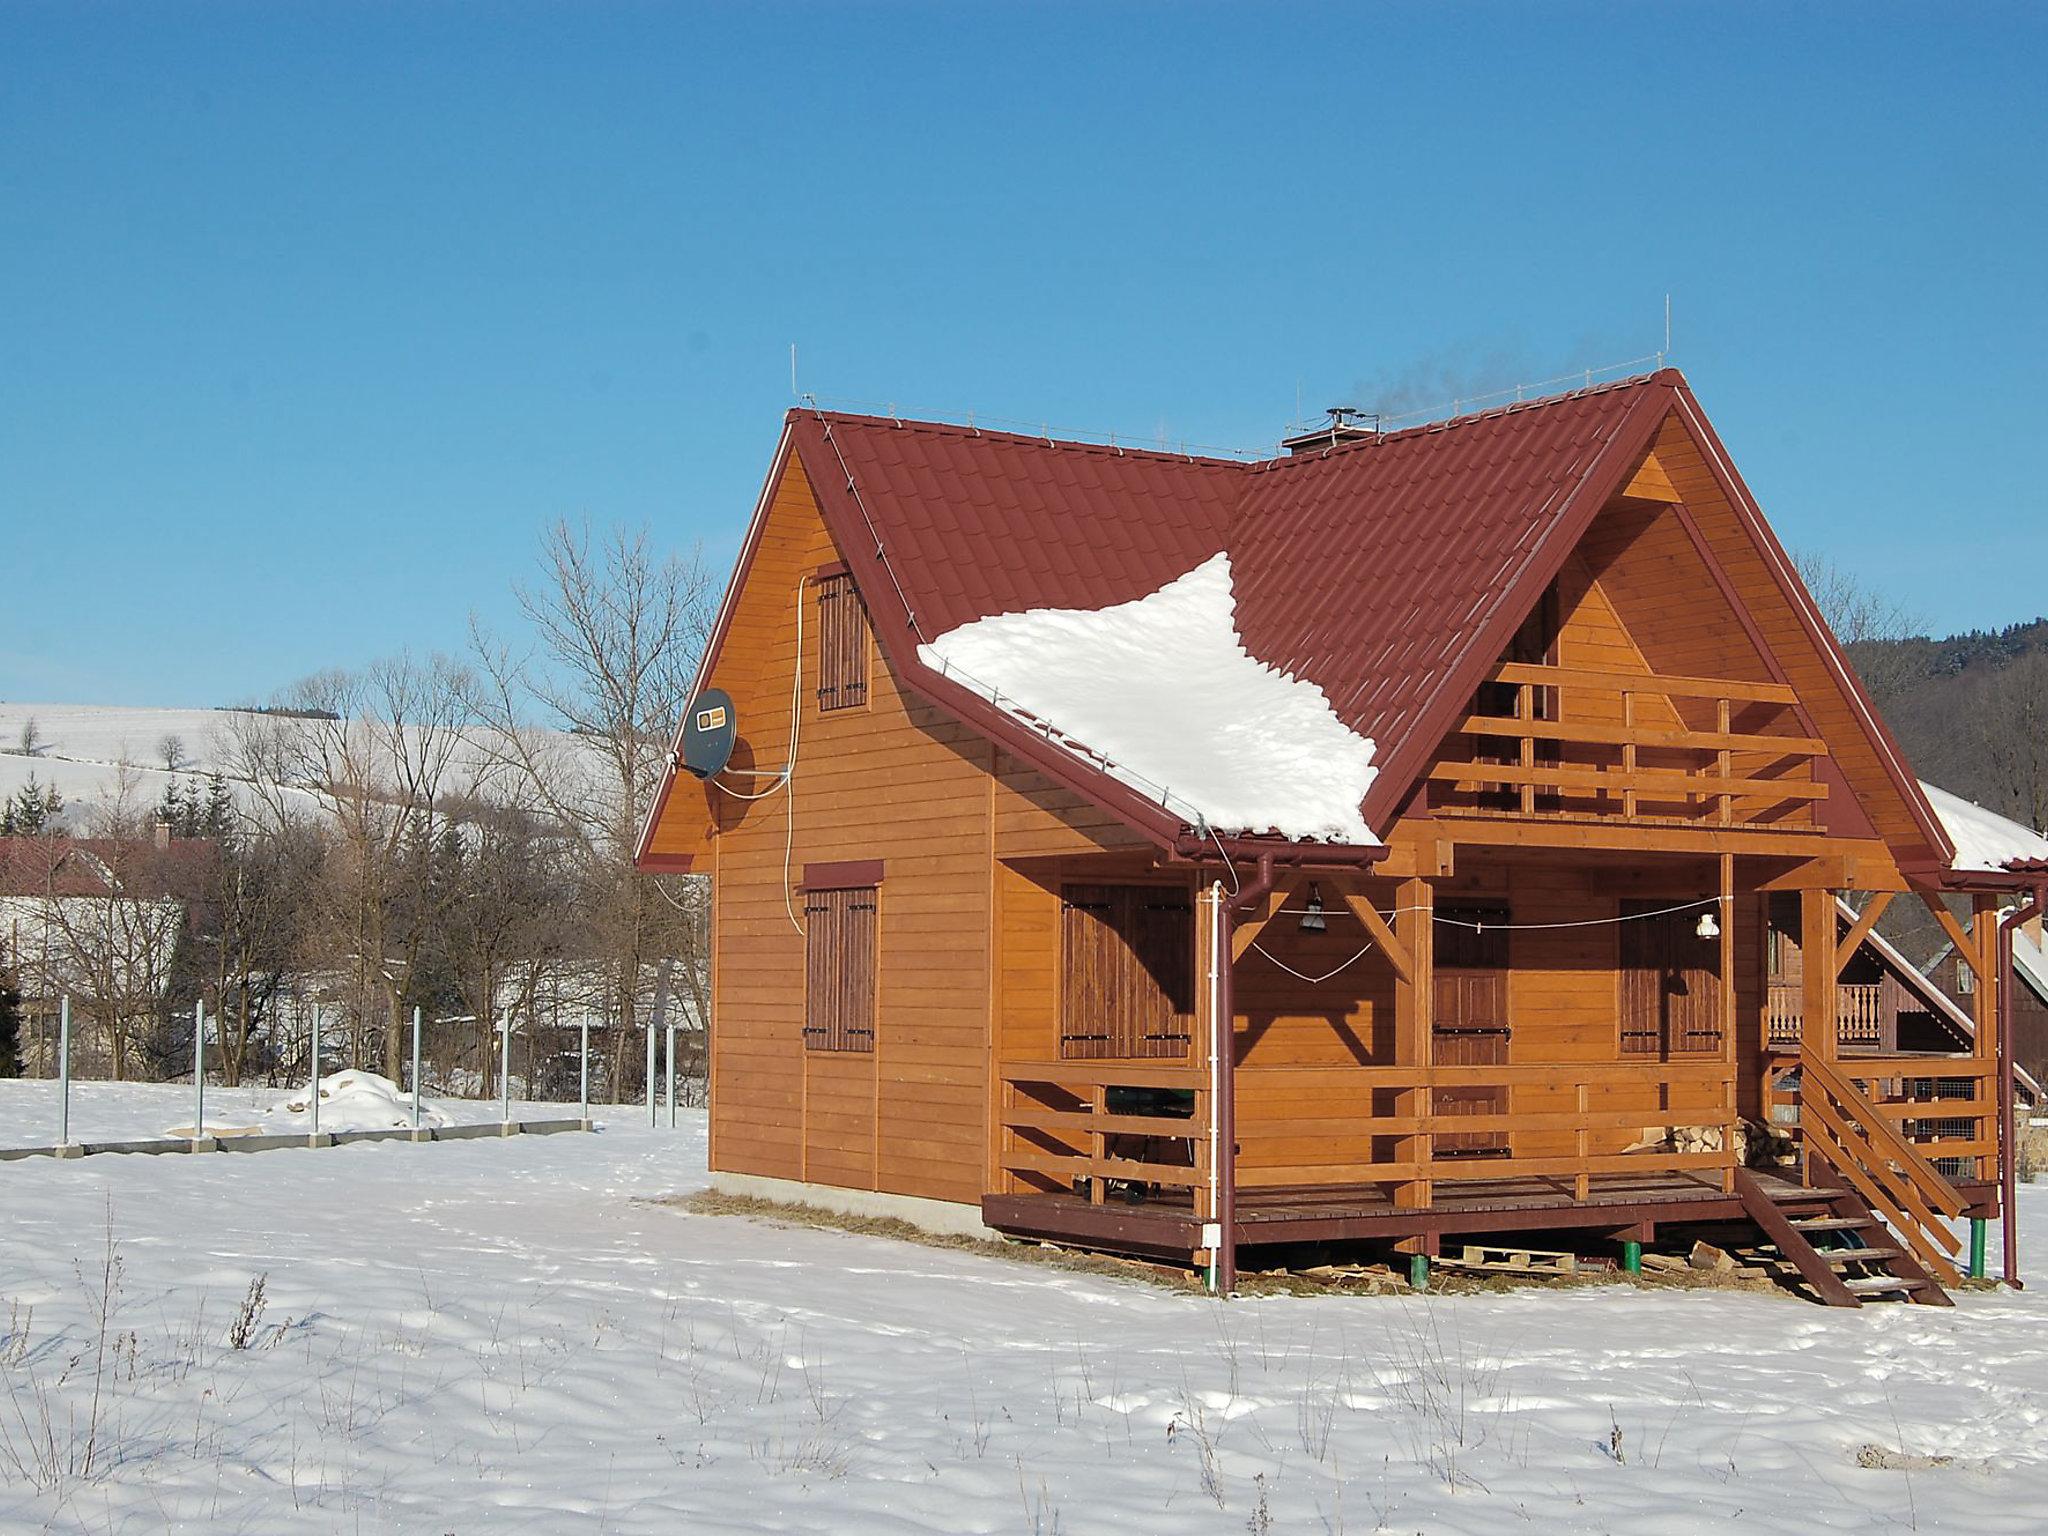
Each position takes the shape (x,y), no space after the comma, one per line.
(1948,972)
(1464,836)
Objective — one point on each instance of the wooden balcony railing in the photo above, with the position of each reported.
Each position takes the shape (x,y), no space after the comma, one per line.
(1588,744)
(1104,1125)
(1859,1013)
(1374,1133)
(1063,1128)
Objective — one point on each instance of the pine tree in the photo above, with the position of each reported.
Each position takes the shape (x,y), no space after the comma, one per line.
(173,809)
(216,818)
(33,811)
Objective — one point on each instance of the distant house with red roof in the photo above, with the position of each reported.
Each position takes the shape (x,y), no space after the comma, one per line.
(1378,842)
(98,920)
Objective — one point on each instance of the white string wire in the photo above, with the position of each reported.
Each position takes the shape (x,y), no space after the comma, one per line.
(1312,980)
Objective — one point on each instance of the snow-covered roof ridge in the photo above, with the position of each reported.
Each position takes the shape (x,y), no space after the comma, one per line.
(1162,694)
(1984,839)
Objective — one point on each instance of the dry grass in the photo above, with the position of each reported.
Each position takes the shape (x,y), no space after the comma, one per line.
(712,1203)
(1443,1281)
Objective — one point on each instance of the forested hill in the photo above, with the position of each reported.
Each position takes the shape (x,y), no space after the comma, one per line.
(1971,711)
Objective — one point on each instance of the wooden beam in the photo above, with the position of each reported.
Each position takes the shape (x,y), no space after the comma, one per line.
(1249,927)
(1966,947)
(1628,733)
(1667,783)
(1414,1021)
(1645,682)
(1396,952)
(1846,950)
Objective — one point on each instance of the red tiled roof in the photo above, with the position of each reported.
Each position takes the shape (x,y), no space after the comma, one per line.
(1368,568)
(102,866)
(1391,572)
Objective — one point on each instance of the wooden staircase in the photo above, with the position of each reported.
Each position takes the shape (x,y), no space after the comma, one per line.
(1884,1234)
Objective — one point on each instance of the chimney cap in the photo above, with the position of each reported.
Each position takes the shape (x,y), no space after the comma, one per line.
(1347,424)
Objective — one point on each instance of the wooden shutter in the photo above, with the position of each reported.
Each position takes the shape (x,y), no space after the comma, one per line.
(1127,958)
(842,644)
(839,969)
(1670,983)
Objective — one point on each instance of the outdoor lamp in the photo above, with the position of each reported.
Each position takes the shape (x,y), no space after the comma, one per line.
(1312,919)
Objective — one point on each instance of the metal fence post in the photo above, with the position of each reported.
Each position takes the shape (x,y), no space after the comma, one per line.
(671,1074)
(583,1075)
(415,1068)
(313,1098)
(650,1074)
(505,1067)
(64,1071)
(198,1069)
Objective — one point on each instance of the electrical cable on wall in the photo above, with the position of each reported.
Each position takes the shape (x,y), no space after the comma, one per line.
(786,778)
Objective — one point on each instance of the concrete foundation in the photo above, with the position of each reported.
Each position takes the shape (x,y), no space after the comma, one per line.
(943,1217)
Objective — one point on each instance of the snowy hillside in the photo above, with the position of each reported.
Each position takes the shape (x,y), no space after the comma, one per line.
(89,752)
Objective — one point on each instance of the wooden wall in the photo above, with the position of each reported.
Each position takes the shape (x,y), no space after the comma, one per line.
(893,780)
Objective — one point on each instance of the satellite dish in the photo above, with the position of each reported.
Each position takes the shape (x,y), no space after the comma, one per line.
(709,730)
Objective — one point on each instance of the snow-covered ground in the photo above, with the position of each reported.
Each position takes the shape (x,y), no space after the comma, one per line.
(351,1101)
(518,1336)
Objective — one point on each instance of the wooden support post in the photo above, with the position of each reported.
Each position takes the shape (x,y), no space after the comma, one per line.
(1984,1014)
(1628,755)
(1731,1115)
(1582,1183)
(1722,760)
(1819,1036)
(1414,1023)
(1098,1142)
(1525,711)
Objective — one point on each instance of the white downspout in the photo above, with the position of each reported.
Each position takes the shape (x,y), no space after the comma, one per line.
(1212,1231)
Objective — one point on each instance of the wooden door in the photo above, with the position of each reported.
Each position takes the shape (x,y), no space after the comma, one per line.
(1471,1026)
(1670,982)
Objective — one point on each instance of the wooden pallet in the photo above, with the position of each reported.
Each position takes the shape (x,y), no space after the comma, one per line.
(1513,1261)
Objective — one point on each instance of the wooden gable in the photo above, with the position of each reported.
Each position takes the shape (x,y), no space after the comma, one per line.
(1669,582)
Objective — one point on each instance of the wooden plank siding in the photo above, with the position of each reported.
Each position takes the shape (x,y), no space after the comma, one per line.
(886,778)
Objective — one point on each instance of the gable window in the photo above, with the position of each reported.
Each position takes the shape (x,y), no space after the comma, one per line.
(1127,971)
(839,969)
(1670,983)
(842,642)
(1966,979)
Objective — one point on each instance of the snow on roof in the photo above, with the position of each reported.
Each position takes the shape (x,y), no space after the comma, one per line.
(1162,691)
(1984,839)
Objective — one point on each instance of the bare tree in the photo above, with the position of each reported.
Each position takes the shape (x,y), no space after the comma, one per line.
(1870,625)
(379,747)
(618,629)
(170,751)
(2008,709)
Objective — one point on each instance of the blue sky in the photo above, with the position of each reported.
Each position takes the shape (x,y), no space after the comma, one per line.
(312,316)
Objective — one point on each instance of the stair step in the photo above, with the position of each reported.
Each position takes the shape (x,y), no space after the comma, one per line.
(1878,1285)
(1833,1223)
(1836,1257)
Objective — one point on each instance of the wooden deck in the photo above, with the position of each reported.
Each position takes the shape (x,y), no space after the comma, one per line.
(1167,1228)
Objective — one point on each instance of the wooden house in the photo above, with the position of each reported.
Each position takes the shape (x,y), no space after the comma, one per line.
(1379,842)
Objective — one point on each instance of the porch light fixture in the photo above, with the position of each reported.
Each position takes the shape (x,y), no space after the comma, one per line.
(1312,918)
(1708,928)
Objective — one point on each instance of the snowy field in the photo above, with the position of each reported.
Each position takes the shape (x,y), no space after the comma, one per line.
(518,1336)
(352,1101)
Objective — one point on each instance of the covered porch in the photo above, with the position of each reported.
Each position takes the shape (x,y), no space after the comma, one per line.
(1534,1041)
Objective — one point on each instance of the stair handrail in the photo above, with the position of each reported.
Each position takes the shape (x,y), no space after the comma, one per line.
(1929,1181)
